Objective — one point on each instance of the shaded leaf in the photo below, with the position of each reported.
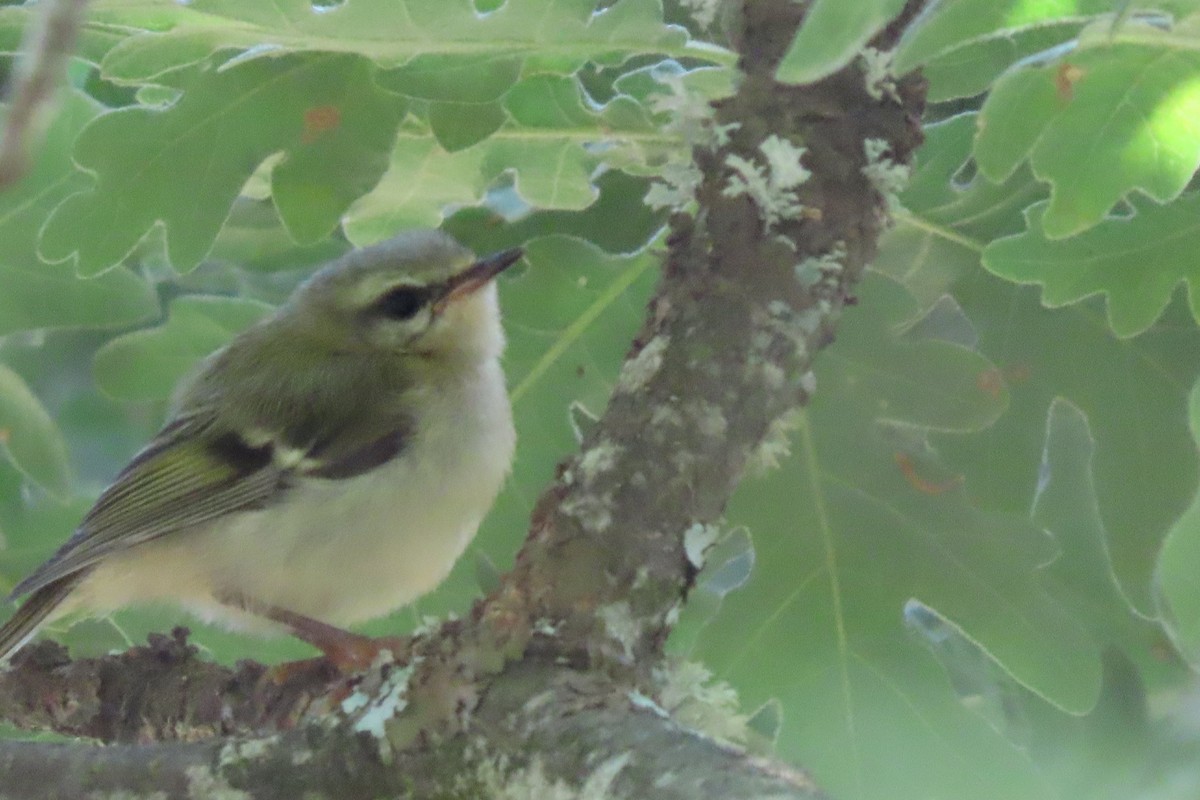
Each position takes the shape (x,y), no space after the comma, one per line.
(29,437)
(1131,391)
(37,295)
(147,364)
(1178,562)
(874,521)
(1135,263)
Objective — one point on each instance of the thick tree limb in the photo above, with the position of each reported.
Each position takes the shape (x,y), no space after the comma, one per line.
(581,735)
(554,677)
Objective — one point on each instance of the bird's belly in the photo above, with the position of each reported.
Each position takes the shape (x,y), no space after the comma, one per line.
(341,551)
(345,553)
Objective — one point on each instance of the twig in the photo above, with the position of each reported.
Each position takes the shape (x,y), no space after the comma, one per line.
(45,53)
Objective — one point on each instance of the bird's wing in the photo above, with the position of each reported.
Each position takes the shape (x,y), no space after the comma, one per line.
(191,473)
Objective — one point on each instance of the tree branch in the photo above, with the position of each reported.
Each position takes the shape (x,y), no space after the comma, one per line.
(39,72)
(539,729)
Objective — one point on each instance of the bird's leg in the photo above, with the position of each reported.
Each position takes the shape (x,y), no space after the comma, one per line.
(347,651)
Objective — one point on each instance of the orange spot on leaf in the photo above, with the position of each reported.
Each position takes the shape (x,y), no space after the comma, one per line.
(908,469)
(318,120)
(990,382)
(4,434)
(1065,78)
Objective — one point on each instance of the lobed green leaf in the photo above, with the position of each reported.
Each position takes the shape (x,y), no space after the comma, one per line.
(183,165)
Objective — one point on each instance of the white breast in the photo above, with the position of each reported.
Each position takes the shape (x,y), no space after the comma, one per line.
(341,551)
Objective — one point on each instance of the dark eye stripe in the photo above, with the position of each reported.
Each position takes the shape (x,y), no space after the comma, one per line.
(403,302)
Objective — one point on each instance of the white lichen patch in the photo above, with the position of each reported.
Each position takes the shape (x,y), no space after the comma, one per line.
(689,113)
(247,750)
(676,186)
(886,176)
(638,371)
(877,73)
(723,133)
(665,415)
(808,383)
(708,418)
(686,690)
(428,624)
(683,461)
(620,626)
(598,459)
(776,444)
(690,117)
(203,781)
(772,375)
(599,782)
(783,162)
(671,618)
(356,702)
(390,699)
(808,321)
(697,540)
(772,188)
(498,782)
(594,513)
(823,270)
(539,701)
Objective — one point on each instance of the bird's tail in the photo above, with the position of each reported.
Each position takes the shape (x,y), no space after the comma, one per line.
(23,624)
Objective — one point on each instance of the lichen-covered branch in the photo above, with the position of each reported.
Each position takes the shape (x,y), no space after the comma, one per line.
(541,731)
(557,681)
(794,189)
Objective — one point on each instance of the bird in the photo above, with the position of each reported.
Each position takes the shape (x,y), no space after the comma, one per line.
(325,467)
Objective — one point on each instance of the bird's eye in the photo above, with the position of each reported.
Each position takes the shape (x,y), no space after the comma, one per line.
(403,302)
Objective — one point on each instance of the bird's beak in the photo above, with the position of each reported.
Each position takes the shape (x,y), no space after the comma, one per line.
(477,276)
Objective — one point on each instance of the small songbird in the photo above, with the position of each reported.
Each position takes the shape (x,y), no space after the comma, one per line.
(327,466)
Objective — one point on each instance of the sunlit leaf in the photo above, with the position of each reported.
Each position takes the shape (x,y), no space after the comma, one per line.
(1097,124)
